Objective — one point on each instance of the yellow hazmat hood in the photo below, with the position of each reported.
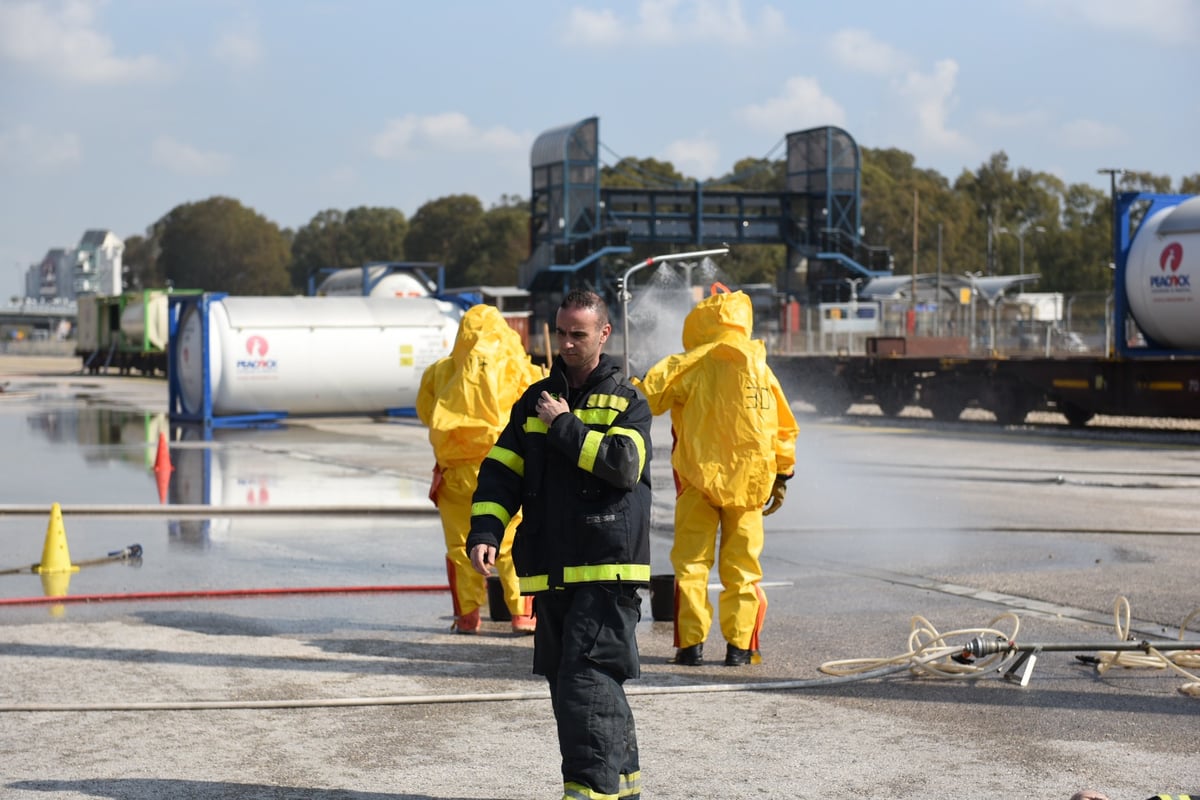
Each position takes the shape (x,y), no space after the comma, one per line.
(465,398)
(482,323)
(722,317)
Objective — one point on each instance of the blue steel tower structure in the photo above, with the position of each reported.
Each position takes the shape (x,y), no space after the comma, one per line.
(576,225)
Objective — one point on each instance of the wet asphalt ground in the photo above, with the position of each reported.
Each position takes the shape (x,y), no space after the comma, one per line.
(286,692)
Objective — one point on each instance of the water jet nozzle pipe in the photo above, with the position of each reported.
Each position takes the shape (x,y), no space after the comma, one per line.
(131,554)
(979,646)
(625,296)
(1022,667)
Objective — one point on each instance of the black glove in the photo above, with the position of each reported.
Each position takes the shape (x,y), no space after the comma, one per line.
(778,492)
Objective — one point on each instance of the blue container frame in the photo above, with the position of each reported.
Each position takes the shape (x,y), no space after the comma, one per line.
(176,308)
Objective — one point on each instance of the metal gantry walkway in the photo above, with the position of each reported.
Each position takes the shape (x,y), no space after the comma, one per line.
(576,223)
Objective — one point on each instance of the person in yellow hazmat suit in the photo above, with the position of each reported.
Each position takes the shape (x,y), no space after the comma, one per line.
(464,399)
(734,449)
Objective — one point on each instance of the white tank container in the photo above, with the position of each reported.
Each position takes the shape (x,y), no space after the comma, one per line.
(144,320)
(1162,276)
(309,355)
(349,283)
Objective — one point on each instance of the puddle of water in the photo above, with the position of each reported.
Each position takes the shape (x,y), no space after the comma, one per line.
(72,455)
(62,450)
(228,554)
(63,454)
(262,469)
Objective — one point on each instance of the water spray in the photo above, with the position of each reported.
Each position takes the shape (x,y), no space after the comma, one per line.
(625,296)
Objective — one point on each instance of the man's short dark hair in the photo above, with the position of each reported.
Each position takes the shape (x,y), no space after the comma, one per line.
(585,298)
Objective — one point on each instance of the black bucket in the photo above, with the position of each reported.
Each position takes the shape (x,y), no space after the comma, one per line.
(496,605)
(662,597)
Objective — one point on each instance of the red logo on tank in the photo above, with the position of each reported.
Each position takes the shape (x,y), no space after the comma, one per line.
(1172,257)
(257,346)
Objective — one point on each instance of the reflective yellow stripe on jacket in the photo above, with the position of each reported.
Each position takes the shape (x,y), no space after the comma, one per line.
(591,573)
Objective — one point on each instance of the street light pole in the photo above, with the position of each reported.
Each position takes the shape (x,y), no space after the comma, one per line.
(1020,232)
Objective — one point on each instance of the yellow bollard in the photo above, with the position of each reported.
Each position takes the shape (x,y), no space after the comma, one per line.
(55,556)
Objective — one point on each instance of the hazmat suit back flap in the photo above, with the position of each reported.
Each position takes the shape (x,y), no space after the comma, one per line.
(465,398)
(734,429)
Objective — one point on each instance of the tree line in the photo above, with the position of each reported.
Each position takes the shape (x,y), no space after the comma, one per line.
(986,219)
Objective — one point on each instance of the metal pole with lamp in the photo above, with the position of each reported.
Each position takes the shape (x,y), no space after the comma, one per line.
(1020,232)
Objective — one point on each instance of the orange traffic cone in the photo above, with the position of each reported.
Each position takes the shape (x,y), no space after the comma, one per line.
(55,556)
(162,468)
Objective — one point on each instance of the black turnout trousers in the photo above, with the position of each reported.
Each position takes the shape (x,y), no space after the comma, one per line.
(586,646)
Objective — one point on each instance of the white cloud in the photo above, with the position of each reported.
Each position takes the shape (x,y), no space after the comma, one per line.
(60,39)
(673,22)
(240,48)
(930,97)
(26,147)
(185,159)
(448,132)
(696,157)
(587,27)
(802,105)
(1090,134)
(1169,22)
(859,50)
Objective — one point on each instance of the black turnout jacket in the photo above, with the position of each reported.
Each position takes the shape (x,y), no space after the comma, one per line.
(582,485)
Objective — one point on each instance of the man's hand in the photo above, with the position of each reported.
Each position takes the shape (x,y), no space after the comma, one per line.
(776,499)
(549,406)
(483,556)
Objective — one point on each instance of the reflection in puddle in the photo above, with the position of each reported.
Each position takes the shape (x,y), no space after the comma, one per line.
(244,469)
(226,468)
(248,469)
(62,454)
(299,514)
(104,434)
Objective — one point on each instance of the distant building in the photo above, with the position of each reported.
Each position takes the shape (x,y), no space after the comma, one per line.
(98,264)
(53,277)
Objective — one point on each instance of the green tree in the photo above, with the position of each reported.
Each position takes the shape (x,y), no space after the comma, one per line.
(503,244)
(1132,181)
(1190,184)
(336,240)
(139,264)
(449,230)
(220,245)
(753,175)
(642,173)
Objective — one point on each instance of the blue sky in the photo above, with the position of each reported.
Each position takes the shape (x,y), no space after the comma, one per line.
(112,113)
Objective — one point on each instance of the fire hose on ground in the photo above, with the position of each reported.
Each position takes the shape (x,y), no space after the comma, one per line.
(930,654)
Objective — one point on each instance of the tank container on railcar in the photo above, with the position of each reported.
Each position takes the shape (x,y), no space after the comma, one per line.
(1162,276)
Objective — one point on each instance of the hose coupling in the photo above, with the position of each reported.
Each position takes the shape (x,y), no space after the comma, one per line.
(979,646)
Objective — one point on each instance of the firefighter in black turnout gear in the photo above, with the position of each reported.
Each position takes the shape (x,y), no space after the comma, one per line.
(575,458)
